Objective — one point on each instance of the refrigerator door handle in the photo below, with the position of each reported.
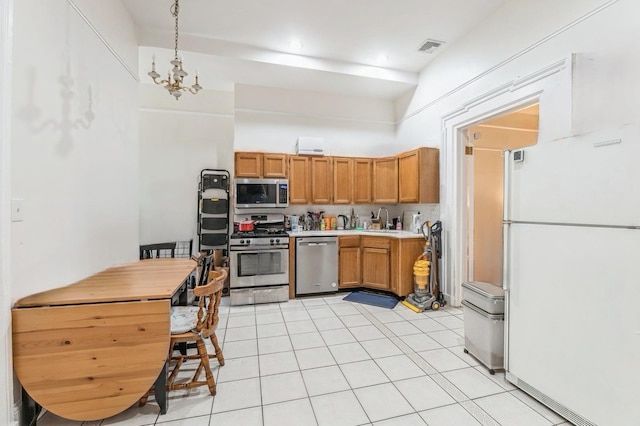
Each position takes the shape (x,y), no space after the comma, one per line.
(506,219)
(506,222)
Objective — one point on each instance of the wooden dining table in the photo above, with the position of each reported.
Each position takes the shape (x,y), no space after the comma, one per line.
(90,350)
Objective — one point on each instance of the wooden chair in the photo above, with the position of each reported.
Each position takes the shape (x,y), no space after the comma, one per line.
(195,324)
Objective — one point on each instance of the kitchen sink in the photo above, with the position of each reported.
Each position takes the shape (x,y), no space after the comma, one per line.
(384,231)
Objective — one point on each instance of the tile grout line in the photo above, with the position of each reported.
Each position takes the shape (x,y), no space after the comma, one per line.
(464,401)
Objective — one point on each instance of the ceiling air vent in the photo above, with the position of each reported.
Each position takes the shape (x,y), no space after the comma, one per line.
(430,46)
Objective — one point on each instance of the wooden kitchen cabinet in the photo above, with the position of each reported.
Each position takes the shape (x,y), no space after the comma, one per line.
(260,165)
(419,176)
(343,180)
(274,165)
(376,255)
(349,264)
(385,180)
(299,188)
(362,177)
(404,253)
(321,180)
(248,164)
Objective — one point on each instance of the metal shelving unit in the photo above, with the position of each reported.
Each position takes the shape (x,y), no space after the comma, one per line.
(213,210)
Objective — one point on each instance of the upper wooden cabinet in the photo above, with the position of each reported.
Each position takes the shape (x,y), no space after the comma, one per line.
(410,177)
(299,174)
(274,165)
(343,180)
(362,173)
(321,180)
(260,165)
(385,180)
(419,176)
(248,164)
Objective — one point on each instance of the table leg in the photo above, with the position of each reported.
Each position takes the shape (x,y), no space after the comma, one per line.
(29,411)
(161,389)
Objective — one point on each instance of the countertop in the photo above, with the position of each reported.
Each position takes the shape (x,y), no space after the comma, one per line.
(339,233)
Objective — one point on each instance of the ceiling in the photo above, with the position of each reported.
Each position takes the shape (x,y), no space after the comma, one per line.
(248,41)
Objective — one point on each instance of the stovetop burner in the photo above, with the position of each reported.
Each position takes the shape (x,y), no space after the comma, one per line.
(266,226)
(259,234)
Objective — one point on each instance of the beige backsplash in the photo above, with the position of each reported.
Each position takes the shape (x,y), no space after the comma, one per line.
(429,211)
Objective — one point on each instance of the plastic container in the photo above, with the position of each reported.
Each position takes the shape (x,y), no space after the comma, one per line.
(484,336)
(486,296)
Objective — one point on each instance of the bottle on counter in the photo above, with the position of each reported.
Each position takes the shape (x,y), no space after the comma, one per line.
(399,224)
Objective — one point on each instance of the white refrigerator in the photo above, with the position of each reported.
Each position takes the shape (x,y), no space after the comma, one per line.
(572,275)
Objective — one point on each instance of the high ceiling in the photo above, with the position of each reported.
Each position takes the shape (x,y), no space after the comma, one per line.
(342,40)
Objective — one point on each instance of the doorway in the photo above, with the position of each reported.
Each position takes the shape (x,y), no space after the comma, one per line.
(487,142)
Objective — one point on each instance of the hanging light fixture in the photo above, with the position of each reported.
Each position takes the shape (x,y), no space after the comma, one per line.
(175,77)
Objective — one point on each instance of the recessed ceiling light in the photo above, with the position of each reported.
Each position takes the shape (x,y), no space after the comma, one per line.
(382,59)
(295,45)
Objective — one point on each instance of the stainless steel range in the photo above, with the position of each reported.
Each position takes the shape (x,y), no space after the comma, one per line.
(259,261)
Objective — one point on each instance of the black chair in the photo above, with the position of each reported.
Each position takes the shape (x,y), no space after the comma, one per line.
(151,251)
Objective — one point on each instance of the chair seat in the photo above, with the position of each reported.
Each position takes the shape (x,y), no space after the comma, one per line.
(183,319)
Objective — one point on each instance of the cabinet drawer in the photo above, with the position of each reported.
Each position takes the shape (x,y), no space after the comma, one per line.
(376,242)
(349,241)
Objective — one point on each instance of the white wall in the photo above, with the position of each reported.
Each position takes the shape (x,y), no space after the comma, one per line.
(269,119)
(74,142)
(74,152)
(178,139)
(6,364)
(521,38)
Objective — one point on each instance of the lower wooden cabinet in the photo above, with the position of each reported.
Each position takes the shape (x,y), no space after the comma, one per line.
(349,262)
(380,263)
(376,254)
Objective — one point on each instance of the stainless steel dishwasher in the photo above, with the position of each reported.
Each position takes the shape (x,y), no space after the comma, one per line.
(316,265)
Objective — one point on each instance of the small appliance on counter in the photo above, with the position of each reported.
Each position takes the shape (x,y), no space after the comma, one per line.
(259,250)
(484,323)
(412,222)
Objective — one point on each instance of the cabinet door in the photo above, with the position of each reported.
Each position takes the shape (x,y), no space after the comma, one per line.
(362,180)
(385,180)
(274,165)
(298,179)
(408,177)
(419,176)
(248,164)
(321,180)
(377,272)
(407,250)
(342,180)
(349,267)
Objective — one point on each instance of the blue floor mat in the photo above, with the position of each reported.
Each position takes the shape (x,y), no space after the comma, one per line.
(372,299)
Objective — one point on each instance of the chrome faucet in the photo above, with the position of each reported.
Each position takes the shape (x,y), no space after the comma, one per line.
(387,225)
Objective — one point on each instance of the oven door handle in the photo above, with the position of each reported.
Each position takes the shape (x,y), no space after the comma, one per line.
(258,250)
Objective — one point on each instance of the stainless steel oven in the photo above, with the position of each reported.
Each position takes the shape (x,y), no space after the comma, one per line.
(259,262)
(259,265)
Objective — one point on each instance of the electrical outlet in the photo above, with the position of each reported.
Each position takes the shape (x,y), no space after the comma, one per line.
(16,210)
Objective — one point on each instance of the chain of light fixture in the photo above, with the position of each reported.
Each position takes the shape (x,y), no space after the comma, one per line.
(175,76)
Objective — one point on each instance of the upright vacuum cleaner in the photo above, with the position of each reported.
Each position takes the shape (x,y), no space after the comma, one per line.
(426,272)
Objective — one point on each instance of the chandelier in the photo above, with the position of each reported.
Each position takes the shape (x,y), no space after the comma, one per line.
(175,76)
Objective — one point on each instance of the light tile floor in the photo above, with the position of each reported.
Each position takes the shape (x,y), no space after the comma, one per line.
(324,361)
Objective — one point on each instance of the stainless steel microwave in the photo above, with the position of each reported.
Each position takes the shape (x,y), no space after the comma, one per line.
(252,193)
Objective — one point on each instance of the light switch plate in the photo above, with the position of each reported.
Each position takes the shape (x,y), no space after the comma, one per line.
(16,210)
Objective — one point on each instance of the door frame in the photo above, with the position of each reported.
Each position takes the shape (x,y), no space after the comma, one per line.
(551,87)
